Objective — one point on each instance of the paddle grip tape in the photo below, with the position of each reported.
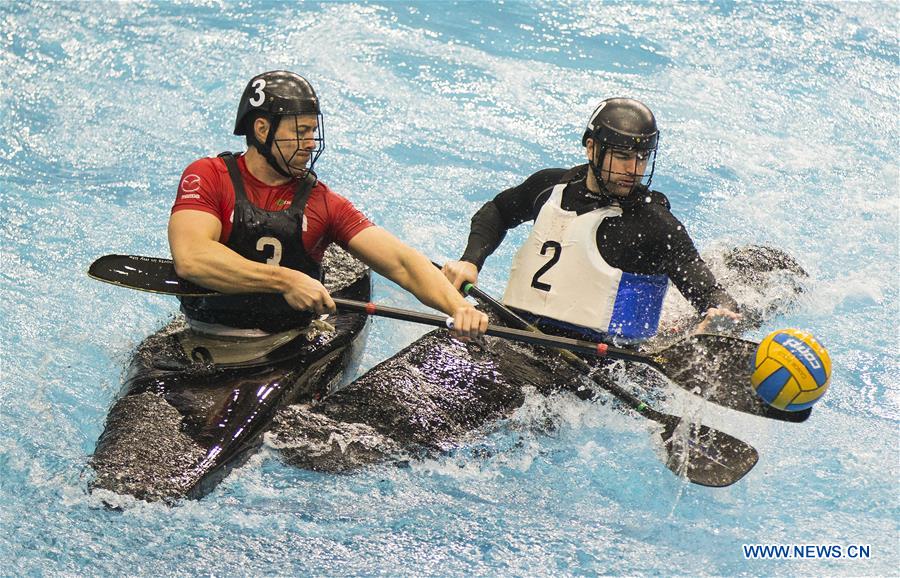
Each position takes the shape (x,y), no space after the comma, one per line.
(602,349)
(370,308)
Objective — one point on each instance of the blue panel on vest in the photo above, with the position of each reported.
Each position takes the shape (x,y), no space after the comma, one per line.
(638,306)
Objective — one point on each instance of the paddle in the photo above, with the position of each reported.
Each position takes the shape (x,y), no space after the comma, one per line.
(712,366)
(706,456)
(144,274)
(158,276)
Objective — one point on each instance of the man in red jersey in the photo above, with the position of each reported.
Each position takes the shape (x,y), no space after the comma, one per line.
(255,226)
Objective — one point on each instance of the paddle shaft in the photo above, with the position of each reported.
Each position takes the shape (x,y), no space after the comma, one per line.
(158,276)
(512,317)
(565,343)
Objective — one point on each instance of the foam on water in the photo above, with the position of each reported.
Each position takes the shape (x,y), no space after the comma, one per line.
(779,127)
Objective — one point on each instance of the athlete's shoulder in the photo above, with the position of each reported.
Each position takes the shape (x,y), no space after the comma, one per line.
(659,198)
(550,176)
(576,173)
(337,206)
(658,214)
(338,214)
(644,201)
(326,193)
(205,176)
(208,165)
(538,185)
(553,171)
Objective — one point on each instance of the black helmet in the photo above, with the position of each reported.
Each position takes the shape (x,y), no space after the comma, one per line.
(624,124)
(274,95)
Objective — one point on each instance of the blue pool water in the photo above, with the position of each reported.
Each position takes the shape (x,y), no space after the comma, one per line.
(779,126)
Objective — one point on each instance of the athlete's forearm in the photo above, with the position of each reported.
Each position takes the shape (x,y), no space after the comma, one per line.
(419,276)
(212,265)
(720,299)
(406,267)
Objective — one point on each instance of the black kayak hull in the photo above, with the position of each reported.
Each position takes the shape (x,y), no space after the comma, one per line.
(422,401)
(181,424)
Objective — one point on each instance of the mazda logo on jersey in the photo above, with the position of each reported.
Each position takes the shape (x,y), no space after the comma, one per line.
(190,183)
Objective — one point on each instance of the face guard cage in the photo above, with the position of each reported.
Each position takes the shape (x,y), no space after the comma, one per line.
(295,146)
(604,165)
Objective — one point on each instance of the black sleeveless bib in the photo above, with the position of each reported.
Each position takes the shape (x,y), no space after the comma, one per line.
(265,237)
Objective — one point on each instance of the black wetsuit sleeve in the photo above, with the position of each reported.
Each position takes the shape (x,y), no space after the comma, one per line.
(507,210)
(690,274)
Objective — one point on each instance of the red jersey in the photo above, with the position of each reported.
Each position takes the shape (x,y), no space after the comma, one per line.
(328,217)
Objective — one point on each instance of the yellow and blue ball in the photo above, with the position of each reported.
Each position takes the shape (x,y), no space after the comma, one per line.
(791,370)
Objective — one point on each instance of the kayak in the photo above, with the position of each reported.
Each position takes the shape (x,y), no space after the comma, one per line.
(432,395)
(194,406)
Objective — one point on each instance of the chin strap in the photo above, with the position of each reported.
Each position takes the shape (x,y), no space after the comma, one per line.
(266,148)
(603,192)
(595,170)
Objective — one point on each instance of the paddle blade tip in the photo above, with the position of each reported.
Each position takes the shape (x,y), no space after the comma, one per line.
(705,456)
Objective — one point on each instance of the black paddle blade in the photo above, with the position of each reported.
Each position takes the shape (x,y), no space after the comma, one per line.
(718,368)
(145,274)
(706,456)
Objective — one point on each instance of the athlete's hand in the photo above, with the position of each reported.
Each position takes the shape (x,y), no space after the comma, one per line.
(718,320)
(468,322)
(307,294)
(459,272)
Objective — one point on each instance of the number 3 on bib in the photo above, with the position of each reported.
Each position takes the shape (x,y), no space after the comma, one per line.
(557,251)
(264,242)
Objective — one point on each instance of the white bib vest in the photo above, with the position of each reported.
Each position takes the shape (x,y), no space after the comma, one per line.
(559,274)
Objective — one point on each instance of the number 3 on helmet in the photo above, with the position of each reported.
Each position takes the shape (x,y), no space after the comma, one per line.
(273,95)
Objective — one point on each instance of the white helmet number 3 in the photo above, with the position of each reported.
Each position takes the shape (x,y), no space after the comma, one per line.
(259,96)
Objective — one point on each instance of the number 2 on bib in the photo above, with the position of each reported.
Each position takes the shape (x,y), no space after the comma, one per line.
(557,251)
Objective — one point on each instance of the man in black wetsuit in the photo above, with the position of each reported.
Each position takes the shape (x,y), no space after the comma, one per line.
(603,246)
